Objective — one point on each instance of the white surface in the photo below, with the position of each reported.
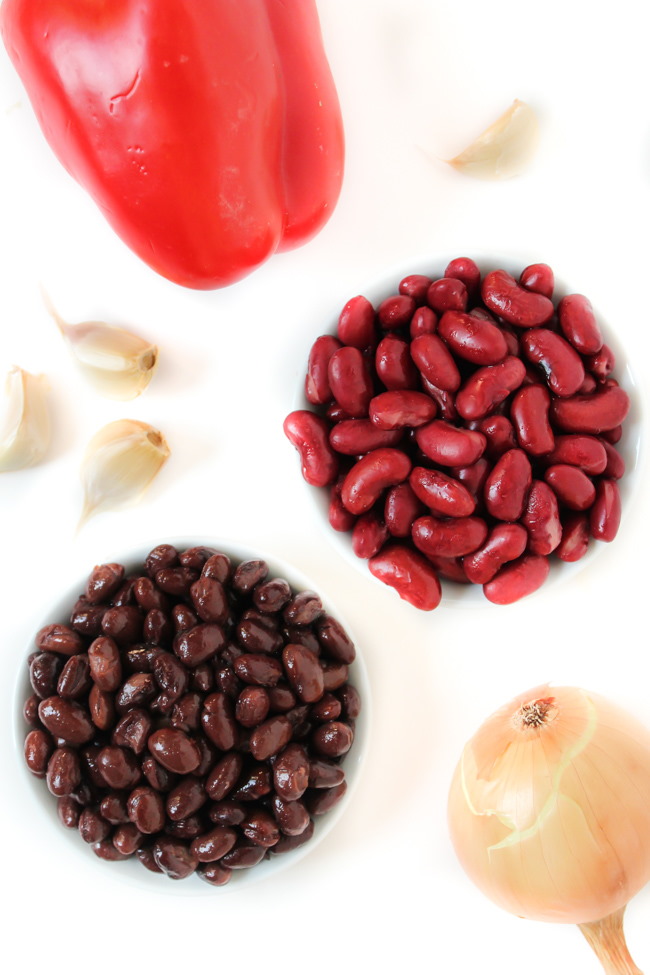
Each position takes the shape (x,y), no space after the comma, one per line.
(417,81)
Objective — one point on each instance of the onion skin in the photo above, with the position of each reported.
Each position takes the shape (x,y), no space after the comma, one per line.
(551,819)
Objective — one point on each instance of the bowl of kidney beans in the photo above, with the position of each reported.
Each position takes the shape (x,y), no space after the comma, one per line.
(191,710)
(466,425)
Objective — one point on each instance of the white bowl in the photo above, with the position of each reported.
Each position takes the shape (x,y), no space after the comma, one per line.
(629,446)
(132,870)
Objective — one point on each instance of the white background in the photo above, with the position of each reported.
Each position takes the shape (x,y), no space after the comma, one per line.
(417,81)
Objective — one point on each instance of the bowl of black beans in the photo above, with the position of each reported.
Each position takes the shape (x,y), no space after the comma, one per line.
(195,711)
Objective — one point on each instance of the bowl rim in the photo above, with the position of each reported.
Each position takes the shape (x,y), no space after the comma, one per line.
(632,445)
(130,871)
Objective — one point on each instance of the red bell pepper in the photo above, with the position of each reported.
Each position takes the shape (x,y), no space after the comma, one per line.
(207,131)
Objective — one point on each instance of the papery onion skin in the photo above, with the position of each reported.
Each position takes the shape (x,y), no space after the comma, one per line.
(552,820)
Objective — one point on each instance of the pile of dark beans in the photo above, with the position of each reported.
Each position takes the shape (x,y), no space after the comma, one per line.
(465,428)
(193,714)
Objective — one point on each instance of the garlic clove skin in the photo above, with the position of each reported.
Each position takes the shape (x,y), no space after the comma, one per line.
(117,362)
(25,427)
(120,462)
(505,149)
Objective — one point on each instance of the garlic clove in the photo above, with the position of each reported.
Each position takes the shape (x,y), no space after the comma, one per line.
(25,427)
(504,149)
(118,363)
(120,462)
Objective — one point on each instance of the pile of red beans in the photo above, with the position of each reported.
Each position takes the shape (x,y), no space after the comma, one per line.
(465,428)
(193,714)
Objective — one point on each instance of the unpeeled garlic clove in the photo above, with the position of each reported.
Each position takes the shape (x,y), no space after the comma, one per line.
(25,427)
(504,149)
(121,461)
(119,363)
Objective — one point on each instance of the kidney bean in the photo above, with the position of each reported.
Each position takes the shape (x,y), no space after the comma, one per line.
(506,488)
(174,750)
(66,720)
(356,324)
(605,515)
(593,412)
(338,515)
(261,828)
(473,339)
(105,663)
(68,812)
(572,487)
(370,476)
(579,325)
(270,737)
(91,771)
(309,434)
(441,493)
(291,772)
(224,775)
(146,809)
(218,721)
(435,362)
(488,387)
(213,845)
(258,668)
(159,778)
(444,400)
(145,856)
(612,436)
(324,774)
(44,671)
(401,508)
(538,278)
(401,408)
(513,303)
(466,270)
(393,363)
(575,537)
(227,681)
(368,535)
(559,361)
(214,874)
(123,624)
(395,311)
(258,633)
(529,414)
(589,384)
(350,381)
(323,801)
(124,595)
(317,387)
(127,839)
(148,596)
(447,294)
(411,575)
(103,582)
(92,827)
(132,731)
(287,843)
(424,322)
(473,477)
(586,453)
(113,808)
(541,518)
(291,816)
(183,618)
(106,850)
(415,286)
(334,640)
(102,708)
(505,543)
(136,690)
(174,858)
(517,579)
(176,580)
(602,363)
(304,672)
(243,856)
(57,638)
(615,465)
(228,813)
(449,446)
(449,538)
(272,596)
(38,748)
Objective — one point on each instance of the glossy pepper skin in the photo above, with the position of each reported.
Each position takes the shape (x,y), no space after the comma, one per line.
(208,132)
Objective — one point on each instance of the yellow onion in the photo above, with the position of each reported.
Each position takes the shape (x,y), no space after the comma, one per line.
(549,813)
